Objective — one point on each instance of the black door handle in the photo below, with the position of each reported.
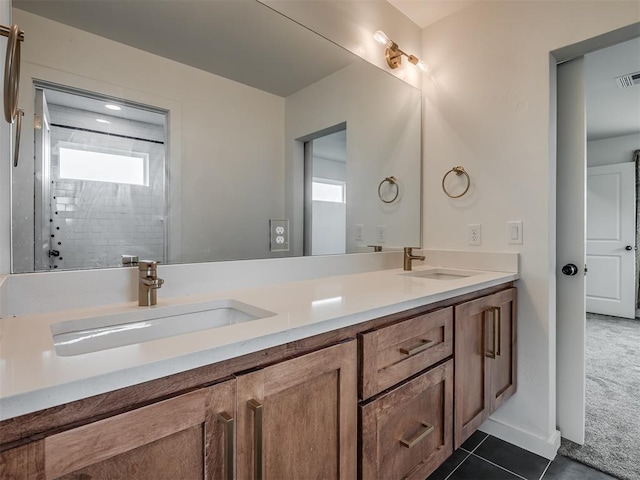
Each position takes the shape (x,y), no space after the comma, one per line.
(628,247)
(570,269)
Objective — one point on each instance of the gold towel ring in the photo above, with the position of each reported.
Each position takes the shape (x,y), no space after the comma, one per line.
(12,81)
(458,171)
(391,181)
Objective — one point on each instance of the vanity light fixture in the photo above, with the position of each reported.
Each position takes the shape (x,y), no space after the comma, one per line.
(393,54)
(111,106)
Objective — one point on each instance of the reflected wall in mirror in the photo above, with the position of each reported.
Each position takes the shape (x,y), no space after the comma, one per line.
(240,104)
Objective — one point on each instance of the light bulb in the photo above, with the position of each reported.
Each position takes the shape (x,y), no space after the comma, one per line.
(382,38)
(102,120)
(110,106)
(422,66)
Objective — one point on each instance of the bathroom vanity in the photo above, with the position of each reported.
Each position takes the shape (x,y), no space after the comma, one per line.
(365,386)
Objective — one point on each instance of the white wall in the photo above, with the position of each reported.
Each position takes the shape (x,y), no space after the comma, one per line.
(487,106)
(612,150)
(225,138)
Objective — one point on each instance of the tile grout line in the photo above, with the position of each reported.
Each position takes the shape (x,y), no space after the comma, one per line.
(499,466)
(458,466)
(545,470)
(465,458)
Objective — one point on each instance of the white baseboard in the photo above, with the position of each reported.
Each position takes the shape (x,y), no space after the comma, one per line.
(545,447)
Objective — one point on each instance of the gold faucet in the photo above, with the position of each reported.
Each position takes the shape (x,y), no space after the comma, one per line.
(148,283)
(409,257)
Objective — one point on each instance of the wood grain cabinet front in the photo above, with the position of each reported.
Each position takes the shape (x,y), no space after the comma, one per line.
(485,359)
(408,432)
(298,419)
(393,353)
(186,437)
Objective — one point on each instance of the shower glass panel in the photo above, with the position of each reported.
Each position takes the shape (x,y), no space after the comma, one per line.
(105,190)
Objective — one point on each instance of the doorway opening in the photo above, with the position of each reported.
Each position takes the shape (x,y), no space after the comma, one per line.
(325,192)
(100,191)
(598,166)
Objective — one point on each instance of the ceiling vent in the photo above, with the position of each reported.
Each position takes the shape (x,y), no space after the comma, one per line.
(629,80)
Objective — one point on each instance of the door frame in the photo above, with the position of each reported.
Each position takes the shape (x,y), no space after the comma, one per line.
(558,57)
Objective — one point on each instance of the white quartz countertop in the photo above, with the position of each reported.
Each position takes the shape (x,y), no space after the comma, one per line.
(34,377)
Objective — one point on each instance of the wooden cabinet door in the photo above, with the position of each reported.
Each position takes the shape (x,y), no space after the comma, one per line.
(503,366)
(298,419)
(23,463)
(408,432)
(185,437)
(485,359)
(472,376)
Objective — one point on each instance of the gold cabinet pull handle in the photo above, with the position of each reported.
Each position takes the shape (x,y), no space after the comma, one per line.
(229,443)
(496,317)
(422,434)
(497,330)
(256,407)
(418,348)
(489,353)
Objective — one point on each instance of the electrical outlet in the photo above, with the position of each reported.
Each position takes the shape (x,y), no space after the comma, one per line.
(475,234)
(381,234)
(359,232)
(279,235)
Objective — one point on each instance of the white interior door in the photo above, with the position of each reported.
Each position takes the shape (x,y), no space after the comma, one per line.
(611,236)
(42,191)
(570,250)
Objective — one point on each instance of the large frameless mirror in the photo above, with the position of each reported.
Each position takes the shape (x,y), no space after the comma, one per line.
(203,131)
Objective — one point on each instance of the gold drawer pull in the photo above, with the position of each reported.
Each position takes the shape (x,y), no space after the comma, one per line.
(227,420)
(256,407)
(497,332)
(422,434)
(423,346)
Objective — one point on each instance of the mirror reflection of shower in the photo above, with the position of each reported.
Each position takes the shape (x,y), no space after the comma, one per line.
(100,183)
(326,193)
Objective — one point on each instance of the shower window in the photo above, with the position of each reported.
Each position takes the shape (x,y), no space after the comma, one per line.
(78,163)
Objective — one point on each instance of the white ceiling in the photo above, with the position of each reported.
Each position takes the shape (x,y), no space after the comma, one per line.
(426,12)
(611,111)
(245,41)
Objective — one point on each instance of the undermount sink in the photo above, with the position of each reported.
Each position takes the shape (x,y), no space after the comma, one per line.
(92,334)
(441,274)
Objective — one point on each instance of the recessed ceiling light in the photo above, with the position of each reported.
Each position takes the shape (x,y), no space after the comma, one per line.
(110,106)
(101,120)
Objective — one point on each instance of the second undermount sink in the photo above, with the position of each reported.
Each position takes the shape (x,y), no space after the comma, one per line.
(441,274)
(92,334)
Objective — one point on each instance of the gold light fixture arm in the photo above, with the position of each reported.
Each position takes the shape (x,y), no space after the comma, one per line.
(393,54)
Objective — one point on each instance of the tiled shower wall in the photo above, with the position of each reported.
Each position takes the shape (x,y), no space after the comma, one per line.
(94,223)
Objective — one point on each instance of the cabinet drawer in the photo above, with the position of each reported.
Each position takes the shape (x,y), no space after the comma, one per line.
(408,432)
(394,353)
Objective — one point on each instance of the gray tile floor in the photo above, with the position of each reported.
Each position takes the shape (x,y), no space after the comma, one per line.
(483,457)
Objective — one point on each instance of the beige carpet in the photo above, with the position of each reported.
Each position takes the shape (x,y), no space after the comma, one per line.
(612,428)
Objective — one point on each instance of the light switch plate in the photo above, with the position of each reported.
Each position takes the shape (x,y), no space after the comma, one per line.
(279,235)
(359,232)
(514,232)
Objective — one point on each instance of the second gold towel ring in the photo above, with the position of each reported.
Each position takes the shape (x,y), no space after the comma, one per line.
(392,182)
(458,171)
(12,72)
(12,81)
